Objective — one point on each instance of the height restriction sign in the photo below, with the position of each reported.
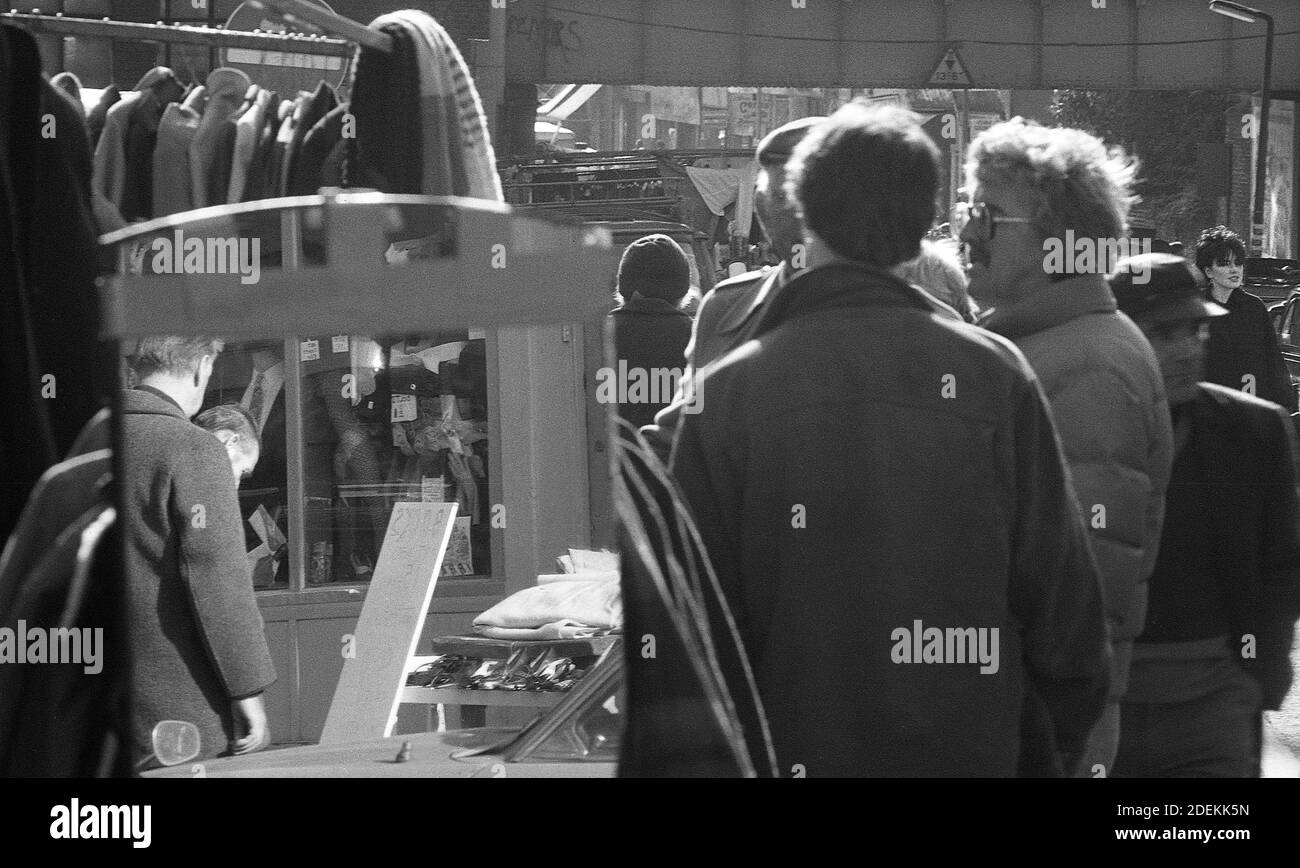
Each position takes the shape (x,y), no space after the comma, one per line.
(950,72)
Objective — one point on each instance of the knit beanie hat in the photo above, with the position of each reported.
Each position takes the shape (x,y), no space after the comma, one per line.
(656,267)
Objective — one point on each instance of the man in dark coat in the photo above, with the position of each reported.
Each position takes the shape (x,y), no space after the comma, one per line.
(650,330)
(1243,351)
(730,313)
(200,653)
(1225,593)
(882,494)
(667,685)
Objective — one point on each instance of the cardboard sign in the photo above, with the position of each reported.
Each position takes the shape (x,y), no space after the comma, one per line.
(392,617)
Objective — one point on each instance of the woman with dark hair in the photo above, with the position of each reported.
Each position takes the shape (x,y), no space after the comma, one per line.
(1242,352)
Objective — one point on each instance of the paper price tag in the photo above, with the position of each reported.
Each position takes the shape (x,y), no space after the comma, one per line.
(431,489)
(310,350)
(404,408)
(340,343)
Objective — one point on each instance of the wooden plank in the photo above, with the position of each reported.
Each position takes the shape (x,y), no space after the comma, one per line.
(459,696)
(370,687)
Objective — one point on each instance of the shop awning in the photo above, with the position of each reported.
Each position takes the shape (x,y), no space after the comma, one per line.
(569,99)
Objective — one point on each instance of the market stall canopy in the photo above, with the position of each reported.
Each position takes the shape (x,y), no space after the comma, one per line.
(568,100)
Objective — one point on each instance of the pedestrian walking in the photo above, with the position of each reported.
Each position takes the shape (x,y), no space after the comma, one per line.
(907,483)
(1242,351)
(1225,594)
(650,329)
(1032,185)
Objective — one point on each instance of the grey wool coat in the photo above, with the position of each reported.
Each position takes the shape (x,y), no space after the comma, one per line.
(196,632)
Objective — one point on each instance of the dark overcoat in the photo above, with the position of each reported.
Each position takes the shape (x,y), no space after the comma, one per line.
(869,466)
(196,631)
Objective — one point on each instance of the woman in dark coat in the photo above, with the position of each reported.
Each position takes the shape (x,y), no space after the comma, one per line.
(1243,351)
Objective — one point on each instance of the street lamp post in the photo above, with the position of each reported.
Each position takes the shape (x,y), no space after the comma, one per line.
(1251,16)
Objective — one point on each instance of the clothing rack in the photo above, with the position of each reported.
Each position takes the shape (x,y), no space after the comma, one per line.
(541,274)
(345,28)
(350,33)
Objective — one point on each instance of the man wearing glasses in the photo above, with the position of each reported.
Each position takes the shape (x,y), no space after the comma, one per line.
(1032,189)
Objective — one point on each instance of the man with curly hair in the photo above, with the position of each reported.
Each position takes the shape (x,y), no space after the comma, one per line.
(1033,190)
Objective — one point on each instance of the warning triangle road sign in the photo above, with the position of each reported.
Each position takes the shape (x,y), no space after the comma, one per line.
(950,72)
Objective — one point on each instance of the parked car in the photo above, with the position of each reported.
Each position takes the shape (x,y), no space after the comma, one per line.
(1273,280)
(1286,319)
(579,737)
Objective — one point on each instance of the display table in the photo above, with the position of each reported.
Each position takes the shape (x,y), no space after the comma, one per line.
(473,703)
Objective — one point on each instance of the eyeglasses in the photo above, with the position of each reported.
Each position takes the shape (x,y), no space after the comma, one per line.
(982,214)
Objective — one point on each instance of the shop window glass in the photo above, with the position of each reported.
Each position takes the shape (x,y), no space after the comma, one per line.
(390,420)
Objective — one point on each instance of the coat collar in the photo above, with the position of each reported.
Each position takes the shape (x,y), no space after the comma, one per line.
(840,285)
(640,304)
(768,286)
(1054,304)
(147,402)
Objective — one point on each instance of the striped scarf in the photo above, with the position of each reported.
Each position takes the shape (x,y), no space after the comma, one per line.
(456,152)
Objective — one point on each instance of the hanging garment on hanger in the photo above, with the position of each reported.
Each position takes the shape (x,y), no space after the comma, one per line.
(387,96)
(110,153)
(226,88)
(457,157)
(58,571)
(258,185)
(141,140)
(54,365)
(248,130)
(110,175)
(172,184)
(96,116)
(317,146)
(70,85)
(280,147)
(321,103)
(223,155)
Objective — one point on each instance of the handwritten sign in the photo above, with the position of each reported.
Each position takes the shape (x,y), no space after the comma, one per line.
(392,617)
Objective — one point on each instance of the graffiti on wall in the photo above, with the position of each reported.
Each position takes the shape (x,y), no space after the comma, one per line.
(552,33)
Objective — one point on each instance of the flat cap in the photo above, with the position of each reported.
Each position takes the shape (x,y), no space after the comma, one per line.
(776,146)
(1160,287)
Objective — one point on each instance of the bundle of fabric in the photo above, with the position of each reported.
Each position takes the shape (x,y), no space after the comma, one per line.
(721,187)
(441,145)
(580,606)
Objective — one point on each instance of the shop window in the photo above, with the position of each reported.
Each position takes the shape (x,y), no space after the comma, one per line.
(349,424)
(391,420)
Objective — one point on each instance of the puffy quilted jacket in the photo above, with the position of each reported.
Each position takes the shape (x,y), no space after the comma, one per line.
(1108,401)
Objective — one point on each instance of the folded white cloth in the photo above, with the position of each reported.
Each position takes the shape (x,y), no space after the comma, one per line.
(593,604)
(557,630)
(588,576)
